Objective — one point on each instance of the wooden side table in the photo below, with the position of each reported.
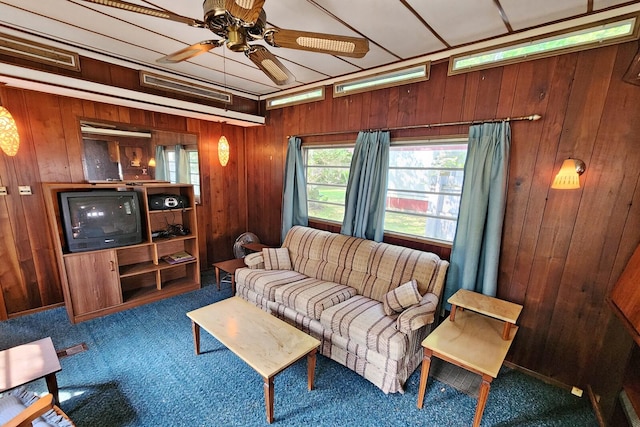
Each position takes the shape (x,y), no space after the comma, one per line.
(28,362)
(473,340)
(230,266)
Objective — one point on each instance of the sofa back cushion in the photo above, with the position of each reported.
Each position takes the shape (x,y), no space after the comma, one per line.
(390,266)
(345,259)
(305,248)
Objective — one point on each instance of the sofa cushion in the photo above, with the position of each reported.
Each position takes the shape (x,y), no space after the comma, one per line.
(265,282)
(390,266)
(305,248)
(276,259)
(312,296)
(362,321)
(401,298)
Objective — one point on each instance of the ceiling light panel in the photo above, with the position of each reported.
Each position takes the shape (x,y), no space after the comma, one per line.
(448,18)
(522,15)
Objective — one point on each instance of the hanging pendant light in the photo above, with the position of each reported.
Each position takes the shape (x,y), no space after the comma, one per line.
(9,138)
(223,150)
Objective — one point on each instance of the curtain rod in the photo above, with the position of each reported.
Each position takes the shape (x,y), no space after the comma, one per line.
(532,117)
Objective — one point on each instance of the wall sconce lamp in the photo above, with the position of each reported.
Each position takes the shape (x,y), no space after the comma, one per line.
(9,138)
(223,150)
(568,177)
(152,163)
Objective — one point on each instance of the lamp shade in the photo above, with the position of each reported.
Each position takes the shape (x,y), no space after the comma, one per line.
(568,178)
(223,150)
(9,138)
(152,163)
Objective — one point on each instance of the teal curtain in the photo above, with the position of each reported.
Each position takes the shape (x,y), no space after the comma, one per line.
(476,246)
(365,200)
(294,193)
(182,165)
(162,168)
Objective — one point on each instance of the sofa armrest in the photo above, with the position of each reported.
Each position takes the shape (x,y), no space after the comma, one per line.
(418,315)
(254,260)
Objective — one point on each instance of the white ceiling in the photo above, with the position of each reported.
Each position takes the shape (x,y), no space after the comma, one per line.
(397,30)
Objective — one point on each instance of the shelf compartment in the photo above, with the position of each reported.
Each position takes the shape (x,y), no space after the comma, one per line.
(170,288)
(136,269)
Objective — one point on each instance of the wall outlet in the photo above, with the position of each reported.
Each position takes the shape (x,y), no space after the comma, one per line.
(24,190)
(576,391)
(3,191)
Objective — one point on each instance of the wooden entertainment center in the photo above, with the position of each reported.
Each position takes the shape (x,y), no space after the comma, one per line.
(105,281)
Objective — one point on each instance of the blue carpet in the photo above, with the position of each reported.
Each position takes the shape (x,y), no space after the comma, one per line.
(140,370)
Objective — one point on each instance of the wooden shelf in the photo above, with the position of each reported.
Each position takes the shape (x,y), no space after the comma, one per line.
(135,269)
(96,283)
(170,288)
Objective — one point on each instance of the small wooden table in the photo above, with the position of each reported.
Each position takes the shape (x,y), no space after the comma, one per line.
(264,342)
(473,339)
(230,266)
(28,362)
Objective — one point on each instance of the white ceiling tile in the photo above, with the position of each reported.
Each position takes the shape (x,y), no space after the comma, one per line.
(395,29)
(603,4)
(522,15)
(461,21)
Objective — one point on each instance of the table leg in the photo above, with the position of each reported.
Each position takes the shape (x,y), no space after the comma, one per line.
(424,375)
(217,277)
(482,399)
(311,368)
(452,315)
(506,331)
(233,283)
(268,397)
(196,336)
(52,386)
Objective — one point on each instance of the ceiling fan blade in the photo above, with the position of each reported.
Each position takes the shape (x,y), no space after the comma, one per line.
(270,65)
(148,11)
(245,10)
(318,42)
(190,51)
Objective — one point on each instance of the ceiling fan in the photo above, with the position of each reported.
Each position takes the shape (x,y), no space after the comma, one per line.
(239,22)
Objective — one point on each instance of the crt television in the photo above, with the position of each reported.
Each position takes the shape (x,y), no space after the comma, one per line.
(100,219)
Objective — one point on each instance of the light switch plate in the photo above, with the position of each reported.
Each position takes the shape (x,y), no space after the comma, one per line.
(24,190)
(3,191)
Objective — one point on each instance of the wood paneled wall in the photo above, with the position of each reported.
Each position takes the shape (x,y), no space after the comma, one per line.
(562,250)
(51,151)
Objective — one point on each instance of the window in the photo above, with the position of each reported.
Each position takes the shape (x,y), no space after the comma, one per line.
(327,172)
(194,169)
(423,193)
(596,35)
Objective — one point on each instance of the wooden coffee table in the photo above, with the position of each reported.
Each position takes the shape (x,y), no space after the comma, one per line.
(28,362)
(264,342)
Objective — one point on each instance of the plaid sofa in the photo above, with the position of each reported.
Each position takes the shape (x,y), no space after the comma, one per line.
(370,304)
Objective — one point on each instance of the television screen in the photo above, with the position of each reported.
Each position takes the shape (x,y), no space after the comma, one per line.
(100,219)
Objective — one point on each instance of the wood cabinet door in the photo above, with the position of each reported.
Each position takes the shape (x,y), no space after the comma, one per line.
(94,282)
